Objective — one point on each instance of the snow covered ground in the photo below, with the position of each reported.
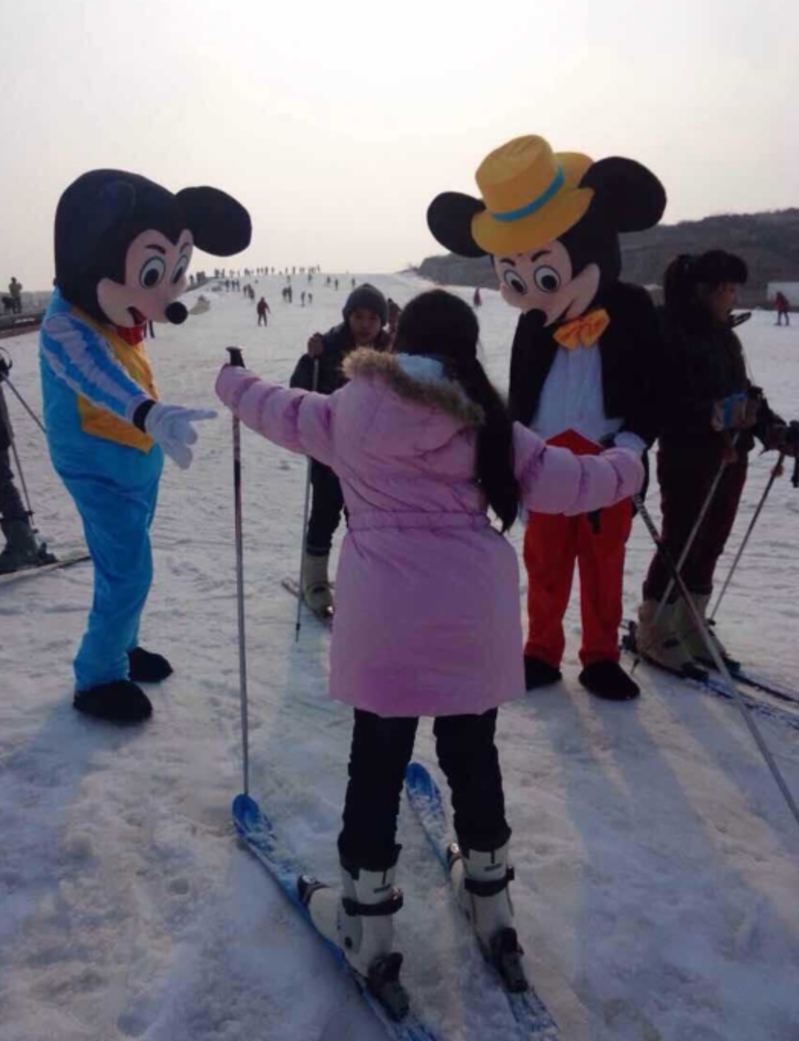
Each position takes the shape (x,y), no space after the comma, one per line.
(657,866)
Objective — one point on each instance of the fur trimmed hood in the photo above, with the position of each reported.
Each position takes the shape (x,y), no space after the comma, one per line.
(417,378)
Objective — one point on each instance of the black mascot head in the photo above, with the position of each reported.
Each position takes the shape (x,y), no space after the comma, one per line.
(550,222)
(123,244)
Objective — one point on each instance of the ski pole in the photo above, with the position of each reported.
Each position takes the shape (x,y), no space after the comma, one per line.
(715,654)
(300,591)
(24,404)
(237,359)
(694,532)
(775,473)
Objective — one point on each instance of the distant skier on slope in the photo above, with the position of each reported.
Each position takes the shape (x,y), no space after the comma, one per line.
(365,314)
(783,308)
(711,400)
(22,548)
(428,613)
(263,311)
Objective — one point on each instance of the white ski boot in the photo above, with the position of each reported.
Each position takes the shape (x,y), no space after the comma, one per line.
(316,590)
(358,918)
(659,641)
(691,637)
(481,886)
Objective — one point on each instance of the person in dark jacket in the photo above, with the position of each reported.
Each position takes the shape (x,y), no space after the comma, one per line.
(714,417)
(365,315)
(263,311)
(22,549)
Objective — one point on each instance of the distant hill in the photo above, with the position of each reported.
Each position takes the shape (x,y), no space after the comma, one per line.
(769,242)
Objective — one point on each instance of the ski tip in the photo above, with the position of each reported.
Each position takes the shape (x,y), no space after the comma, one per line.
(417,776)
(245,808)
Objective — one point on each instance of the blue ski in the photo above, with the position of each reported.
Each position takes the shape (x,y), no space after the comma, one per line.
(425,799)
(256,830)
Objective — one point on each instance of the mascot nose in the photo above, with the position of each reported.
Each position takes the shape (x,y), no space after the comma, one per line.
(176,314)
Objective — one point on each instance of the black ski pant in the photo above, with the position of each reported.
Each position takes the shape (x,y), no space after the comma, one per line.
(262,319)
(686,471)
(327,503)
(11,507)
(381,750)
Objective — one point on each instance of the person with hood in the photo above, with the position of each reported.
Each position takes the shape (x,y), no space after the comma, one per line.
(428,620)
(263,310)
(714,416)
(365,315)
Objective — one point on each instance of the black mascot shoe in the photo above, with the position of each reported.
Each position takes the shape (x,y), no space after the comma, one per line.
(538,673)
(147,667)
(607,679)
(119,701)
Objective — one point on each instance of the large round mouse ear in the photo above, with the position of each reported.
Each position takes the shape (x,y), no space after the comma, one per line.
(631,195)
(220,225)
(449,218)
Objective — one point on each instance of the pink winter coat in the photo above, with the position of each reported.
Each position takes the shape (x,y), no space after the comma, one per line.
(428,620)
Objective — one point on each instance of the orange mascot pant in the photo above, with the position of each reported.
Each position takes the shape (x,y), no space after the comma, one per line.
(552,545)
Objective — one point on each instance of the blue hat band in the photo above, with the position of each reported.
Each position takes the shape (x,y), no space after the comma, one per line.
(536,204)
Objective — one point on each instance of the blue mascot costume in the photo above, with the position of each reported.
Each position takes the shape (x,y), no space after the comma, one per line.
(122,249)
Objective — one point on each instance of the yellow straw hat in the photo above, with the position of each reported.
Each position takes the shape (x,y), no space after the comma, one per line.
(530,195)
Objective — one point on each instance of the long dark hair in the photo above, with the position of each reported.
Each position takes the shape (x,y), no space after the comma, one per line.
(686,273)
(443,326)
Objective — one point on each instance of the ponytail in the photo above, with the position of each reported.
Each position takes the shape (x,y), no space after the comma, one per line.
(441,325)
(686,273)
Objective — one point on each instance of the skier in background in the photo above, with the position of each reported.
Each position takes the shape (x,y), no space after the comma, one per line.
(428,621)
(783,308)
(263,311)
(477,300)
(711,403)
(15,289)
(365,314)
(22,548)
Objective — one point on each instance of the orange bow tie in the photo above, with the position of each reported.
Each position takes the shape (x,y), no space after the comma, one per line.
(583,331)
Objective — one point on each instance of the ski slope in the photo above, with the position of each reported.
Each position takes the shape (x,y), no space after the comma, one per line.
(657,867)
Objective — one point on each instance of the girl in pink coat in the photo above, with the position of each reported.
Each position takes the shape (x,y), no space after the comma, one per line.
(428,621)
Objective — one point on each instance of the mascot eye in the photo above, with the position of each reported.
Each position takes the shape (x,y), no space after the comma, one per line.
(152,272)
(547,279)
(180,270)
(514,282)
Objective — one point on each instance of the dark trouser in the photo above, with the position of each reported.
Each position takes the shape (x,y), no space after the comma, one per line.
(262,319)
(686,473)
(381,750)
(11,507)
(327,502)
(780,317)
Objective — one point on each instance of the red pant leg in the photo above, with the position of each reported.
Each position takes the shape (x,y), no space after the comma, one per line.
(601,561)
(550,550)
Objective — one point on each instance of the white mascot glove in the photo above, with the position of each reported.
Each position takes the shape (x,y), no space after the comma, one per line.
(171,427)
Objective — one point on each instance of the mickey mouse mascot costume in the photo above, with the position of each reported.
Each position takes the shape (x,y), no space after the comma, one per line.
(122,248)
(584,365)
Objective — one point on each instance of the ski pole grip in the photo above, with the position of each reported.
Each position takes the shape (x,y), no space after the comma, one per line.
(236,357)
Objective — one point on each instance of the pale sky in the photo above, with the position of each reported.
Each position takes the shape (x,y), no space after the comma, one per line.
(336,123)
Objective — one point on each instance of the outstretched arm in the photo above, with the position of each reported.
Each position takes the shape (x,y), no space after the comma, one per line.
(554,480)
(295,419)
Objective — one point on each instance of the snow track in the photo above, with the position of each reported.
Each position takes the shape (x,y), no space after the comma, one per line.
(657,868)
